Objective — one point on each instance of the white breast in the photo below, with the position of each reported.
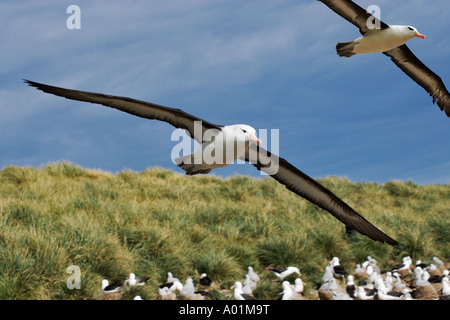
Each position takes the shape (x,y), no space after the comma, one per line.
(382,40)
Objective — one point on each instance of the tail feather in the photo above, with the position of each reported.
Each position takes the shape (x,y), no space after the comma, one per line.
(345,49)
(187,164)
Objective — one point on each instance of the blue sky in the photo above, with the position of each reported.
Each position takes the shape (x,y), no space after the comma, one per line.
(267,63)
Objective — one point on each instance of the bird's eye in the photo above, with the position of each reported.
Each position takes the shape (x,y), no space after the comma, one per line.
(244,131)
(410,28)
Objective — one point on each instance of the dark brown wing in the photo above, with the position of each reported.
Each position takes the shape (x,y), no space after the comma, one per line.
(406,60)
(353,13)
(176,117)
(308,188)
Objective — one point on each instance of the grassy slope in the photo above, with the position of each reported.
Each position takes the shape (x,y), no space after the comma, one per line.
(156,221)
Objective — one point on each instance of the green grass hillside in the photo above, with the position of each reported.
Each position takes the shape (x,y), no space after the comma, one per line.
(156,221)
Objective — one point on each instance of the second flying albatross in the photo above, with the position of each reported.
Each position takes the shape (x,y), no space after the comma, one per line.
(278,168)
(378,36)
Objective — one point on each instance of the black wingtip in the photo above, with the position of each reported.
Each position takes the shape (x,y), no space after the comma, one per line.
(31,83)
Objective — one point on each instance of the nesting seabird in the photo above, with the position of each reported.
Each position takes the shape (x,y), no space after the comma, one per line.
(205,280)
(249,284)
(338,269)
(445,287)
(390,295)
(234,136)
(437,278)
(378,36)
(174,286)
(136,281)
(112,291)
(113,287)
(165,293)
(188,288)
(284,272)
(350,288)
(252,274)
(405,265)
(287,293)
(239,294)
(364,294)
(171,278)
(298,286)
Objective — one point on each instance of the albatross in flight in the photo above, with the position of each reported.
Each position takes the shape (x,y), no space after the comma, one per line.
(378,36)
(278,168)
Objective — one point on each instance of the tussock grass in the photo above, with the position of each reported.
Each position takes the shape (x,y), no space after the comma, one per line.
(156,221)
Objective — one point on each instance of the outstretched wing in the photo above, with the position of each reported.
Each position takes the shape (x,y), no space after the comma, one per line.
(308,188)
(356,15)
(176,117)
(406,60)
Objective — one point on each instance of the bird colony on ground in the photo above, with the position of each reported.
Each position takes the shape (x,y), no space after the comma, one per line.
(402,281)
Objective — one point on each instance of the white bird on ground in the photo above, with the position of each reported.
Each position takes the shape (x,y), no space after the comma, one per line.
(420,277)
(350,287)
(288,293)
(341,296)
(139,281)
(328,274)
(438,261)
(330,285)
(298,286)
(373,276)
(370,261)
(171,278)
(379,285)
(445,286)
(239,294)
(253,275)
(338,270)
(113,287)
(284,272)
(389,280)
(398,283)
(166,294)
(205,280)
(173,286)
(188,288)
(249,285)
(405,265)
(364,294)
(390,295)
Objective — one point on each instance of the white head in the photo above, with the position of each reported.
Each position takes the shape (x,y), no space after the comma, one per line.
(132,276)
(335,261)
(350,280)
(237,286)
(104,283)
(413,32)
(246,133)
